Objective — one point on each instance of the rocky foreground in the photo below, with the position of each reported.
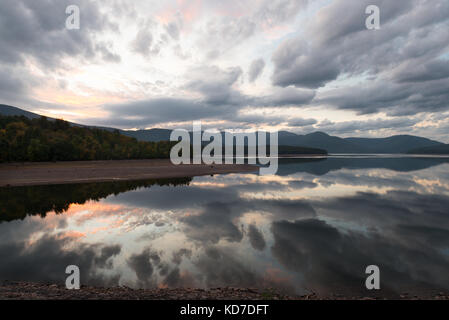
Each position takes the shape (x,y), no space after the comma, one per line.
(13,290)
(40,291)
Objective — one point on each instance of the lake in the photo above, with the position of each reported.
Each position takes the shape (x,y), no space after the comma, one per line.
(313,227)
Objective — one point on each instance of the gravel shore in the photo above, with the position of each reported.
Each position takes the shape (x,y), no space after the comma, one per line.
(44,173)
(17,290)
(14,290)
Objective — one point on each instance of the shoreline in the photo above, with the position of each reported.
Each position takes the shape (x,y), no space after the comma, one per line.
(22,290)
(70,172)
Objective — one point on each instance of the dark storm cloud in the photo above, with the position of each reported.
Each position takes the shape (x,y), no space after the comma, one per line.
(14,83)
(206,199)
(143,264)
(146,113)
(220,99)
(47,258)
(219,267)
(336,24)
(256,238)
(296,65)
(281,97)
(213,224)
(302,184)
(368,125)
(256,69)
(342,44)
(399,221)
(216,85)
(177,279)
(213,219)
(432,70)
(218,220)
(148,264)
(37,29)
(178,255)
(298,122)
(104,261)
(334,261)
(407,49)
(286,209)
(395,99)
(173,278)
(393,208)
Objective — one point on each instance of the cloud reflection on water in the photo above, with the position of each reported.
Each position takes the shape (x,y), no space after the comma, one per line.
(299,231)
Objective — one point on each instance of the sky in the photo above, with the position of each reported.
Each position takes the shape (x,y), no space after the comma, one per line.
(296,65)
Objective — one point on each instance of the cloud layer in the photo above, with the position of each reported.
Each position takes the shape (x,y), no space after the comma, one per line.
(286,64)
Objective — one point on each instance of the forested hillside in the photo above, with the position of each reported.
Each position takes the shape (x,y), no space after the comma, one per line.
(435,150)
(24,139)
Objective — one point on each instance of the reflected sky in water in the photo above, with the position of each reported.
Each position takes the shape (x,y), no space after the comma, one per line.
(313,227)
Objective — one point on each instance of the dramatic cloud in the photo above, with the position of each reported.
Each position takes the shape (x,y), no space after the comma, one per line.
(143,265)
(294,65)
(310,247)
(217,99)
(348,127)
(256,69)
(49,255)
(395,99)
(256,238)
(405,78)
(213,224)
(143,42)
(36,29)
(215,85)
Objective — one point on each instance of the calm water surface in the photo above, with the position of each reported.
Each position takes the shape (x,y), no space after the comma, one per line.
(313,227)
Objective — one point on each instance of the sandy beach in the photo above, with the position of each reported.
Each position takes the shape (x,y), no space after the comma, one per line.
(44,173)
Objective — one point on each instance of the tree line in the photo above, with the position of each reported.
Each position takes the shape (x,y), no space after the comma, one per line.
(19,202)
(41,139)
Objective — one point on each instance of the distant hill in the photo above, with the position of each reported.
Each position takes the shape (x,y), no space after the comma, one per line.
(319,140)
(440,149)
(394,144)
(13,111)
(153,135)
(292,150)
(322,166)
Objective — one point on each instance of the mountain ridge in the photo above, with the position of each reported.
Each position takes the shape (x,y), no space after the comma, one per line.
(333,144)
(440,149)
